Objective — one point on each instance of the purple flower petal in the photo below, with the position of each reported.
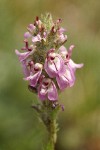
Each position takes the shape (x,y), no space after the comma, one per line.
(36,38)
(60,65)
(34,80)
(25,69)
(62,82)
(50,69)
(70,50)
(42,93)
(27,35)
(54,67)
(61,30)
(47,90)
(70,76)
(74,66)
(35,75)
(66,79)
(31,27)
(62,38)
(23,56)
(52,92)
(63,50)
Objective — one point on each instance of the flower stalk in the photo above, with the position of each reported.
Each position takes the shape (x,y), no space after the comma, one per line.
(52,135)
(49,118)
(48,114)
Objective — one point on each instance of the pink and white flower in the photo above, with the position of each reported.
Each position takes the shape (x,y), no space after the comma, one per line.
(54,64)
(68,78)
(45,70)
(62,38)
(31,28)
(36,38)
(25,68)
(61,31)
(74,66)
(23,56)
(27,35)
(35,74)
(47,90)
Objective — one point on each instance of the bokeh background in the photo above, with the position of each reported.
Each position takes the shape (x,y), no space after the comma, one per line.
(20,128)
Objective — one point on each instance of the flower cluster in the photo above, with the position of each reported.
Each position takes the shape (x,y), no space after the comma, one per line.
(46,63)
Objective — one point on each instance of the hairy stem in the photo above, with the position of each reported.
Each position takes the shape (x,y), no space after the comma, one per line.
(52,135)
(49,117)
(48,114)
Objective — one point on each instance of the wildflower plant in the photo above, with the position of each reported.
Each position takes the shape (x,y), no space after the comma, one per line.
(48,68)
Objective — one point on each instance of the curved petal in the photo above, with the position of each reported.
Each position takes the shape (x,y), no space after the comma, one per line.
(56,67)
(63,50)
(74,66)
(25,69)
(62,82)
(52,92)
(23,56)
(67,79)
(34,78)
(50,68)
(31,27)
(70,76)
(62,38)
(60,65)
(42,93)
(36,38)
(70,51)
(61,30)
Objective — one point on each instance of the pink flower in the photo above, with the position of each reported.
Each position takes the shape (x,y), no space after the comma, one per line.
(68,78)
(54,64)
(61,30)
(49,70)
(63,51)
(47,90)
(74,66)
(23,56)
(66,55)
(31,28)
(36,38)
(27,47)
(35,74)
(62,38)
(27,35)
(25,68)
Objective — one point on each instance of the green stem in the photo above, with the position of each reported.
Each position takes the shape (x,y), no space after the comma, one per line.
(48,114)
(52,135)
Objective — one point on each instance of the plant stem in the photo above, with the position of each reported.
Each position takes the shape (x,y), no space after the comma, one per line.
(49,117)
(52,135)
(48,114)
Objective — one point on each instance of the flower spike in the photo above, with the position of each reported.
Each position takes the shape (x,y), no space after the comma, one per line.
(46,62)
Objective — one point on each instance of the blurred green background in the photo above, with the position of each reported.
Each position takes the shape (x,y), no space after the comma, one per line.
(20,129)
